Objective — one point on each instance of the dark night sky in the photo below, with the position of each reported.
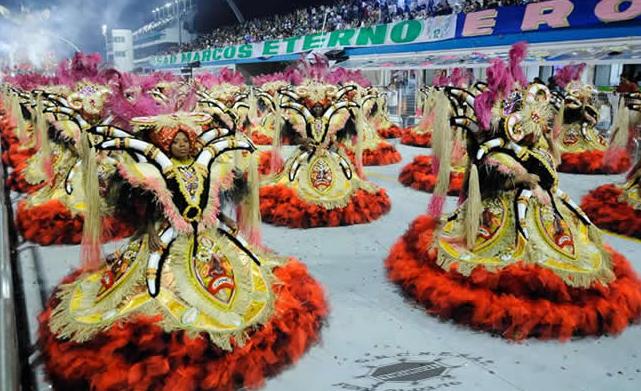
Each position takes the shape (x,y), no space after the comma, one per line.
(80,20)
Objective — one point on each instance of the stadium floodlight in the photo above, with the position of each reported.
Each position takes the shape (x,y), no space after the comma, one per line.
(168,5)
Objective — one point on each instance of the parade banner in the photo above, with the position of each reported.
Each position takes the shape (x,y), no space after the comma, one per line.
(402,32)
(534,17)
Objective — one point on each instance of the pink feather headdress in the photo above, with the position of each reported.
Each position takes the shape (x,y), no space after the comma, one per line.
(460,77)
(517,54)
(500,82)
(441,80)
(225,76)
(568,74)
(30,81)
(80,67)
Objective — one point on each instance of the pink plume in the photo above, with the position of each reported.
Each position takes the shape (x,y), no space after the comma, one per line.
(207,80)
(441,80)
(459,77)
(568,74)
(518,52)
(500,81)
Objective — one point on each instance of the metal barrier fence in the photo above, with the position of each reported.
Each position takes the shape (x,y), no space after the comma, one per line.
(9,353)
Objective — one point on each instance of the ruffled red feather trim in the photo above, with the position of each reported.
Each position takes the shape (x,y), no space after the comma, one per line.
(410,137)
(261,139)
(603,207)
(419,176)
(280,205)
(52,223)
(517,302)
(384,154)
(392,132)
(593,162)
(17,182)
(139,355)
(265,162)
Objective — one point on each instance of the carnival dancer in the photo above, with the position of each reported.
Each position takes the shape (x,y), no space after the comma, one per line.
(354,87)
(379,115)
(188,303)
(268,97)
(617,207)
(583,149)
(54,213)
(518,257)
(421,134)
(224,96)
(318,185)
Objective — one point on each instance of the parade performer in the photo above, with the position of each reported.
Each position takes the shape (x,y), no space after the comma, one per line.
(354,87)
(583,149)
(187,303)
(518,257)
(318,185)
(268,97)
(617,207)
(54,213)
(380,116)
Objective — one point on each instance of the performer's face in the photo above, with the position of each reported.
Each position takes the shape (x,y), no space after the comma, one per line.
(318,110)
(180,147)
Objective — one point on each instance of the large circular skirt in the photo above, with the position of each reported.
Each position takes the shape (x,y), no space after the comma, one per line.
(52,223)
(280,205)
(595,162)
(604,207)
(419,175)
(139,355)
(410,137)
(392,132)
(384,154)
(519,301)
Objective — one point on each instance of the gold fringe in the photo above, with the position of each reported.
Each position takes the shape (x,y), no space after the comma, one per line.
(250,217)
(620,126)
(473,208)
(16,113)
(442,141)
(252,113)
(278,123)
(92,226)
(360,135)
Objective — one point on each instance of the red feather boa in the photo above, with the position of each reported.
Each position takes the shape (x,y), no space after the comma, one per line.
(392,132)
(17,182)
(52,223)
(384,154)
(265,163)
(139,355)
(517,302)
(419,176)
(280,205)
(603,207)
(261,139)
(410,137)
(593,162)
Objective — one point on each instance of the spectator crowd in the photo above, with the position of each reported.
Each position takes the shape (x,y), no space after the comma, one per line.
(342,14)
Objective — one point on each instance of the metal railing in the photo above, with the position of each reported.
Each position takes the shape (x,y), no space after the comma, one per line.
(9,354)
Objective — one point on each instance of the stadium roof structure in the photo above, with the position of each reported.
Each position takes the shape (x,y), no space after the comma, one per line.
(596,52)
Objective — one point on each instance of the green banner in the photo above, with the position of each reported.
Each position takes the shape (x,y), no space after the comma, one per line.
(402,32)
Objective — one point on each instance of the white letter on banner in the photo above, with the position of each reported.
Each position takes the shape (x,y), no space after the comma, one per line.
(610,10)
(553,13)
